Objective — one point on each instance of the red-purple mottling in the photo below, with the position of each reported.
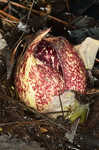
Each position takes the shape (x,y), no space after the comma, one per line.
(61,69)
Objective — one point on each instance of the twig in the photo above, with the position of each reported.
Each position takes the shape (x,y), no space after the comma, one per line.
(22,123)
(61,107)
(55,112)
(30,12)
(47,118)
(93,91)
(37,12)
(51,121)
(9,7)
(67,5)
(9,16)
(7,20)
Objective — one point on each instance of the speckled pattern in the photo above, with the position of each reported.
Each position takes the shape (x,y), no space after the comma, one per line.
(37,83)
(73,68)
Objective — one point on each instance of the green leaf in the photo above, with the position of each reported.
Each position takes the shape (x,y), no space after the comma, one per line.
(81,112)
